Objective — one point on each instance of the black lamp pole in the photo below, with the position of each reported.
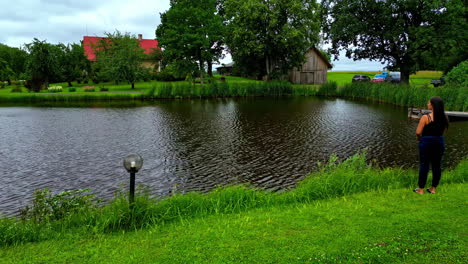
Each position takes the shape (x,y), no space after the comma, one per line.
(132,164)
(131,197)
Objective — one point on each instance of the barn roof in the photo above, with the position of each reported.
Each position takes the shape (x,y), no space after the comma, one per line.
(90,42)
(322,57)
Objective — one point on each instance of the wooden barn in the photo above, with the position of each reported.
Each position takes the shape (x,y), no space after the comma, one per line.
(313,71)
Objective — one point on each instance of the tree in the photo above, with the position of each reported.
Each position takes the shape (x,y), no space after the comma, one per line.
(191,34)
(120,57)
(72,61)
(15,58)
(42,64)
(407,35)
(270,37)
(5,72)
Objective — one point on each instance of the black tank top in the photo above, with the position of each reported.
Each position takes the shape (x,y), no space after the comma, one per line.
(433,129)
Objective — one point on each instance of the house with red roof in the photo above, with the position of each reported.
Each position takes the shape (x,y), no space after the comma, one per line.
(90,43)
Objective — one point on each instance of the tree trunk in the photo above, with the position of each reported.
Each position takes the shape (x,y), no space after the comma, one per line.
(201,68)
(210,71)
(46,82)
(405,75)
(133,85)
(267,62)
(69,84)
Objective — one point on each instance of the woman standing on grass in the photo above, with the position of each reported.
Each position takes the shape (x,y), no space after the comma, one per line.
(431,143)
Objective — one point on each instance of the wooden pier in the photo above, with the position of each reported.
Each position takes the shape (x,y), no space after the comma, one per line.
(417,113)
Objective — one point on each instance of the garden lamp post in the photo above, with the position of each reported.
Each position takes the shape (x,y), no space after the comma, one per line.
(132,164)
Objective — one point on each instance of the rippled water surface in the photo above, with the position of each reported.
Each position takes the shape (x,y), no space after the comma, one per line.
(196,145)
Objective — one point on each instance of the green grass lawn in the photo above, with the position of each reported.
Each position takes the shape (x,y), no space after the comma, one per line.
(342,78)
(394,226)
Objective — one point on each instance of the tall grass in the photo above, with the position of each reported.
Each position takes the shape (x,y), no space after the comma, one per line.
(166,91)
(455,98)
(332,180)
(221,89)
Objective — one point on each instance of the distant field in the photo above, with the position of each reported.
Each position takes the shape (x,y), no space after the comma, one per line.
(419,79)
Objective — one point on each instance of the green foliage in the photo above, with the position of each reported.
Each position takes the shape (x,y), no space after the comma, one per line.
(51,215)
(71,89)
(455,98)
(46,207)
(328,89)
(17,90)
(119,58)
(165,76)
(374,227)
(6,73)
(72,62)
(270,37)
(14,59)
(191,33)
(459,75)
(407,35)
(222,89)
(42,64)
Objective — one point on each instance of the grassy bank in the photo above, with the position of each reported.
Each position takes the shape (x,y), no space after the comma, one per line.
(455,98)
(384,226)
(231,87)
(59,218)
(161,90)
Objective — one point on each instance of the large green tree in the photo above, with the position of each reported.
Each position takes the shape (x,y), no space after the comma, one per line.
(270,37)
(119,57)
(408,35)
(15,59)
(43,64)
(72,62)
(6,72)
(191,35)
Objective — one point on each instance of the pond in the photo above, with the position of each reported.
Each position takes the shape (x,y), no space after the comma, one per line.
(196,145)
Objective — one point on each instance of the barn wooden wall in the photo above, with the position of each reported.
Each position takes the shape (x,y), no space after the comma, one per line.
(313,71)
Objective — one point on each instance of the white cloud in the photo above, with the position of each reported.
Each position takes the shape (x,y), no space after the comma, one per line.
(67,21)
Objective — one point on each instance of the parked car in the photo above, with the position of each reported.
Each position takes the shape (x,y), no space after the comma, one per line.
(378,79)
(361,78)
(382,75)
(393,77)
(438,82)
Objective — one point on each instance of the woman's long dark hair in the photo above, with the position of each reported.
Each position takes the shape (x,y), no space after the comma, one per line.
(439,111)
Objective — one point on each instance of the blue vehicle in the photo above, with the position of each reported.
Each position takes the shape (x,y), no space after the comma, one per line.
(383,75)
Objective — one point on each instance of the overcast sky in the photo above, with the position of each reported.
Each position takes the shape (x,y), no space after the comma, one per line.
(67,21)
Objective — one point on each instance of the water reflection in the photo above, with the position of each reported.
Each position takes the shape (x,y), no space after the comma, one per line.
(194,145)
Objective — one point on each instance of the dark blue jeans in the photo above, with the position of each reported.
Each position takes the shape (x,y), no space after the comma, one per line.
(431,150)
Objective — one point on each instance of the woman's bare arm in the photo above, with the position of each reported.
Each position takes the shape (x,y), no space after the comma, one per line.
(421,125)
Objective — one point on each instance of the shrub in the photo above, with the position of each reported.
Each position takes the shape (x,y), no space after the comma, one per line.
(458,75)
(46,207)
(166,76)
(72,89)
(16,90)
(103,89)
(54,89)
(88,88)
